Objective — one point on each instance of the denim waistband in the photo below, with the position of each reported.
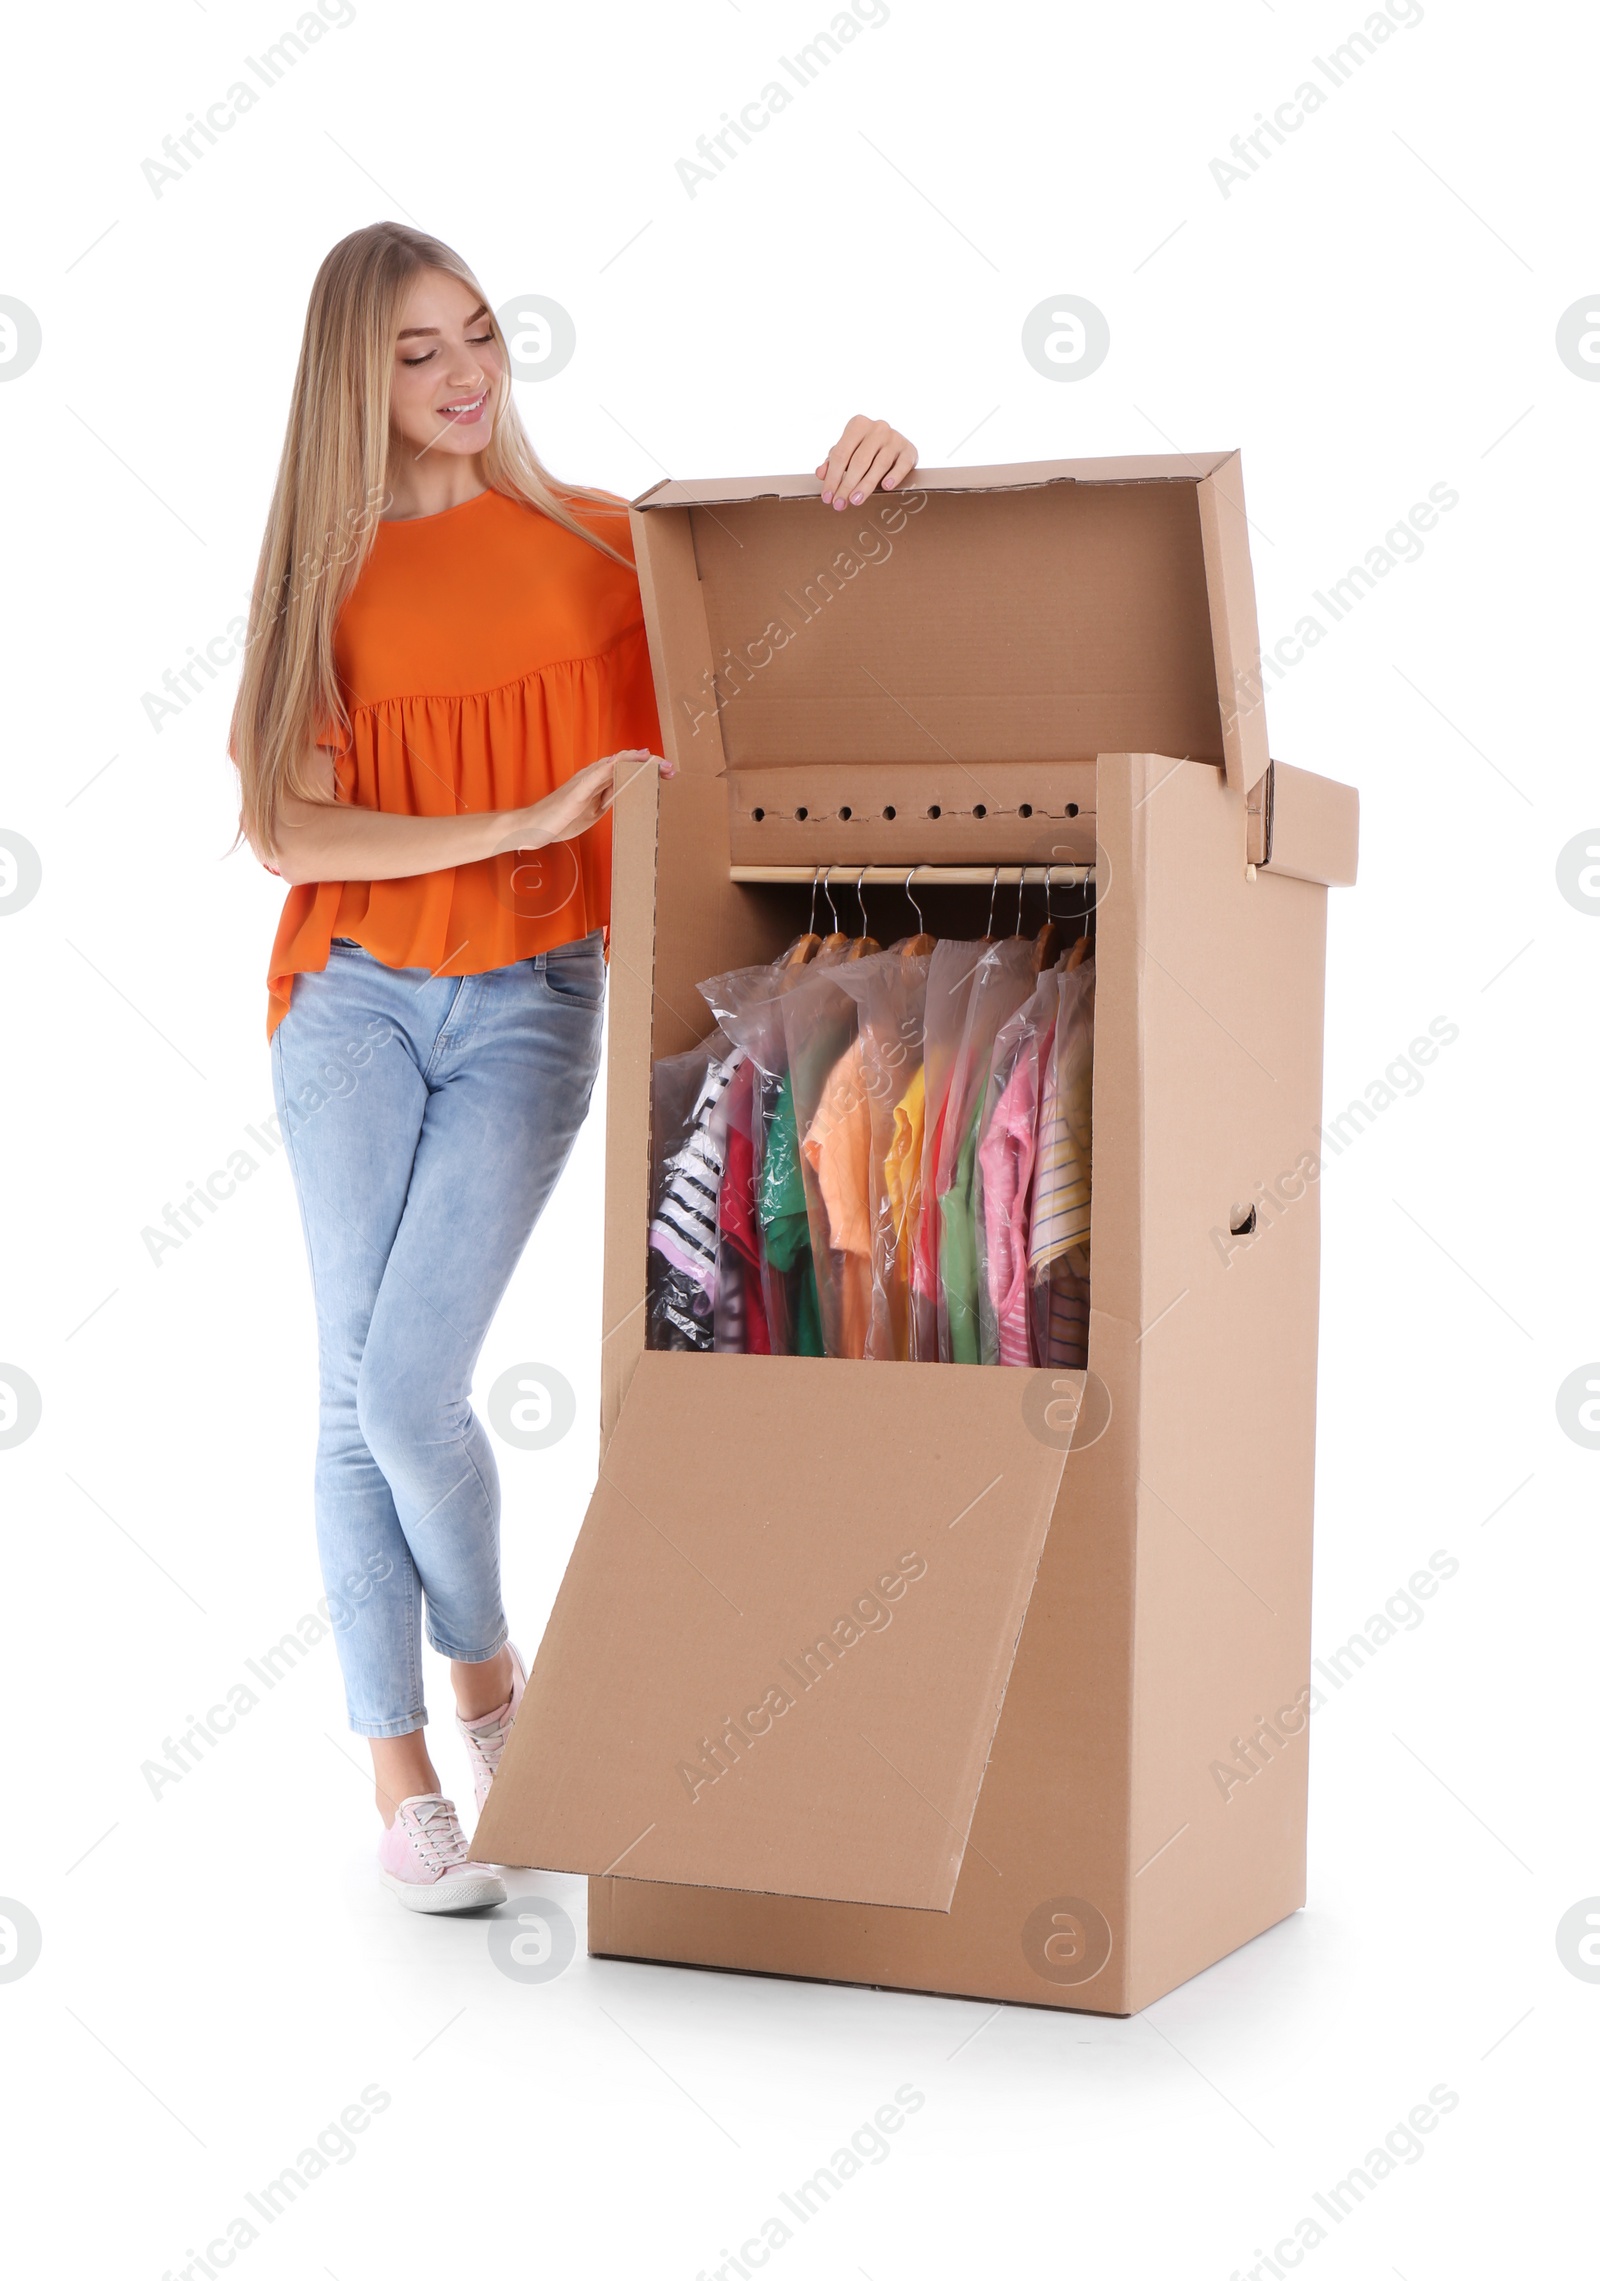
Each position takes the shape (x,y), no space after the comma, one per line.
(594,940)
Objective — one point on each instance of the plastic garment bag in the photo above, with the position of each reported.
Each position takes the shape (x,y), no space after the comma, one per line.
(1005,1173)
(1058,1228)
(788,1264)
(684,1229)
(885,1156)
(890,993)
(1002,980)
(740,1323)
(748,1004)
(950,971)
(833,1119)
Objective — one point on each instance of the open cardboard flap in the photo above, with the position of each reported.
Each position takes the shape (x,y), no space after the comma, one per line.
(777,1659)
(1042,613)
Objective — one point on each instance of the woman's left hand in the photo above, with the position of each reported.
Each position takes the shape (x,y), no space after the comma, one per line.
(868,455)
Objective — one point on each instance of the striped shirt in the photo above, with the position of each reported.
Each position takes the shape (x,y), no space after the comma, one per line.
(684,1229)
(1059,1221)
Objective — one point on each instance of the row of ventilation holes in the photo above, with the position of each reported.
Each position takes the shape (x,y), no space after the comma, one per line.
(801,815)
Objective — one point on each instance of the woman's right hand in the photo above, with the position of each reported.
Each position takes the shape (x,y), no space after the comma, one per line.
(572,808)
(329,838)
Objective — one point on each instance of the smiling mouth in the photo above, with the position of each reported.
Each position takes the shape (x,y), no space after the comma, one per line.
(467,411)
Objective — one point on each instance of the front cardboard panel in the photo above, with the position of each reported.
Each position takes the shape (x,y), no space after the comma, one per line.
(781,1644)
(1040,1908)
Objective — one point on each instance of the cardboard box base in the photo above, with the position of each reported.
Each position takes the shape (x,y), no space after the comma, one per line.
(608,1942)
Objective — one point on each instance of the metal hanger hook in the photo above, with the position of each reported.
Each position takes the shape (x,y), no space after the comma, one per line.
(912,900)
(993,892)
(827,891)
(811,921)
(861,901)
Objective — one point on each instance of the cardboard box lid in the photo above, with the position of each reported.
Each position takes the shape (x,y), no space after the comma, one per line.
(778,1655)
(1047,610)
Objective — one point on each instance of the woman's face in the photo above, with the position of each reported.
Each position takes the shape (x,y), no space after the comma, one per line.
(448,370)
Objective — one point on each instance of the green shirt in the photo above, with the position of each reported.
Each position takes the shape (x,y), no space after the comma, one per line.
(958,1250)
(785,1226)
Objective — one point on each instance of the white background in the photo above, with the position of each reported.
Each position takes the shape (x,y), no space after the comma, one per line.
(1370,313)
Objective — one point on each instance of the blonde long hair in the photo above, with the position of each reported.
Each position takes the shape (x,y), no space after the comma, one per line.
(326,504)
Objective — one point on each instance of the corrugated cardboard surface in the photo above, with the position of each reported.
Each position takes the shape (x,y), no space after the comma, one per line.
(778,1654)
(1052,1819)
(1316,825)
(1232,585)
(1048,623)
(1231,1052)
(867,812)
(1005,475)
(628,1051)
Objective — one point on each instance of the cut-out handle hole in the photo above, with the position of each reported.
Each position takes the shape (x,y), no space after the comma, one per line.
(1072,807)
(1026,808)
(757,815)
(801,814)
(935,812)
(1242,1220)
(980,809)
(844,815)
(888,815)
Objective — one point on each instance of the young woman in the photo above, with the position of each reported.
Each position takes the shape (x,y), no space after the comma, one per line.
(446,655)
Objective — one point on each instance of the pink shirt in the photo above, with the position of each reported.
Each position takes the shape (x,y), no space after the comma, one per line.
(1005,1156)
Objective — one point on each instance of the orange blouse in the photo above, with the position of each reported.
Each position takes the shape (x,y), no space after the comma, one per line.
(485,654)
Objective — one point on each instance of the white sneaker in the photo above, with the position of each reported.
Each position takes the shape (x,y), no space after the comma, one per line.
(422,1858)
(485,1738)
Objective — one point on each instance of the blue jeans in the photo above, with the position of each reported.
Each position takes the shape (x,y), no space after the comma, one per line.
(427,1122)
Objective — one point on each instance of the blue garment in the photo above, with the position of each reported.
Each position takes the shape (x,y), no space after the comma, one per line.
(427,1121)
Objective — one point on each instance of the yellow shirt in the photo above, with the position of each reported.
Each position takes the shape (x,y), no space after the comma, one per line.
(902,1168)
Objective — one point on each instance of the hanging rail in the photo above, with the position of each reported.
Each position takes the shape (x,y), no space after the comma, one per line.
(918,874)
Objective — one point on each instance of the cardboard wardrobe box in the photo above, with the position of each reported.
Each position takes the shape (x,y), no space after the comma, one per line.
(983,1681)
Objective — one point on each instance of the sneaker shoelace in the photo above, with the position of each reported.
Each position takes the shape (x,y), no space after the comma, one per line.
(436,1832)
(488,1735)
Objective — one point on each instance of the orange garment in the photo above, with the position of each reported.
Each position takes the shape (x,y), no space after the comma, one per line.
(485,654)
(838,1148)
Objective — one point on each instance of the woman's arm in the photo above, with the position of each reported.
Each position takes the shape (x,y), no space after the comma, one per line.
(328,838)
